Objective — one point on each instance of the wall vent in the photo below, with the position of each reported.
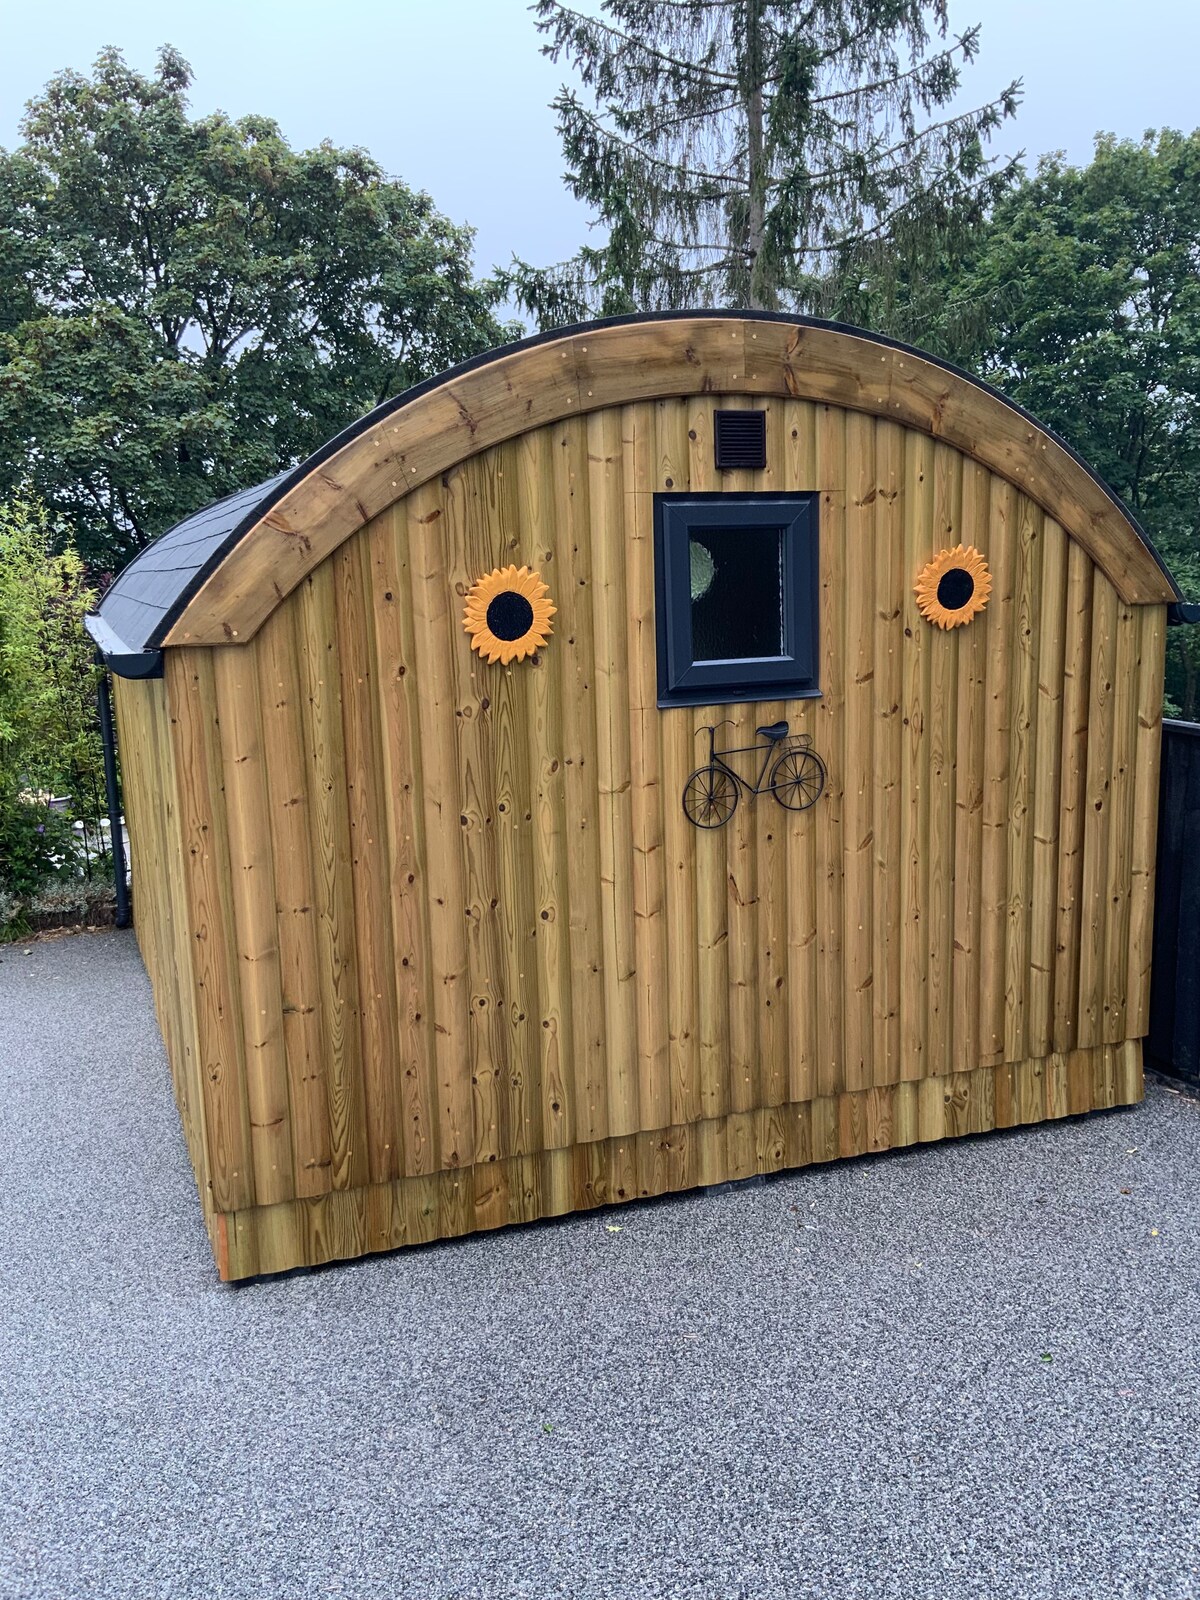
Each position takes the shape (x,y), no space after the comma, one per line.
(740,439)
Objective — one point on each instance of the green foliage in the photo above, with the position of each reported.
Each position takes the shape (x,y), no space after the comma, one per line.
(36,844)
(49,742)
(187,306)
(62,899)
(1081,300)
(757,152)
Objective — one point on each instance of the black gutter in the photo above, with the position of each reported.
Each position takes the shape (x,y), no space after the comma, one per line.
(112,790)
(116,654)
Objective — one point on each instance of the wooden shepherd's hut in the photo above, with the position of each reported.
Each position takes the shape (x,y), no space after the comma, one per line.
(660,752)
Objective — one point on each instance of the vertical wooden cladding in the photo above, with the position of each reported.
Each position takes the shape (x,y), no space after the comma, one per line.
(447,915)
(162,924)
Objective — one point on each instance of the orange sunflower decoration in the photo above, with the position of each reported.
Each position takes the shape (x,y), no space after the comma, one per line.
(953,588)
(508,614)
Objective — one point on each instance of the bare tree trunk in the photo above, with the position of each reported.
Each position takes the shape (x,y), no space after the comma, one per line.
(1188,709)
(755,233)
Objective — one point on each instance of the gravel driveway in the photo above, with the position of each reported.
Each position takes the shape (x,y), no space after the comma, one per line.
(964,1370)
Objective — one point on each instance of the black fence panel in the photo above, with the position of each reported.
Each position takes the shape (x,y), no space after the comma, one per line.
(1173,1045)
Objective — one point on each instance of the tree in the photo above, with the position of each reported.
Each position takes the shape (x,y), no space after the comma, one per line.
(48,736)
(755,152)
(192,305)
(1084,301)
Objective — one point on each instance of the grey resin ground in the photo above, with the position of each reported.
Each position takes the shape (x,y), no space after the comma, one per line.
(965,1370)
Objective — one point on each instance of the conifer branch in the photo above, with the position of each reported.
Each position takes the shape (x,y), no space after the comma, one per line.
(943,59)
(634,45)
(742,151)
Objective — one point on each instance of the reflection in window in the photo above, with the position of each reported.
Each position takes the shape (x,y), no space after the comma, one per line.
(737,593)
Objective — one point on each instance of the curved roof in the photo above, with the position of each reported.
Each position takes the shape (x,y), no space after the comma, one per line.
(138,605)
(215,577)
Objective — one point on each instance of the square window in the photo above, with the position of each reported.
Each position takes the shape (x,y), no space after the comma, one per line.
(736,595)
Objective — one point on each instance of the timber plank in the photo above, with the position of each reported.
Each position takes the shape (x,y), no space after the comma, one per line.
(401,769)
(290,831)
(369,861)
(252,889)
(576,644)
(333,895)
(434,619)
(1151,622)
(829,726)
(1022,776)
(712,849)
(1047,791)
(546,736)
(647,795)
(891,581)
(969,789)
(213,967)
(800,466)
(914,787)
(679,760)
(945,683)
(858,771)
(606,490)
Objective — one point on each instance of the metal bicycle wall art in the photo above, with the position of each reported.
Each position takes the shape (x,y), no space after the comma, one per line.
(797,775)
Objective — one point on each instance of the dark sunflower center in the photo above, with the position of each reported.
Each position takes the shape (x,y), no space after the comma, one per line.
(955,588)
(509,616)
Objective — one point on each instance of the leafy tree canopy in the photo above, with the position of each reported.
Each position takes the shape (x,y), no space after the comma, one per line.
(187,306)
(1081,300)
(756,152)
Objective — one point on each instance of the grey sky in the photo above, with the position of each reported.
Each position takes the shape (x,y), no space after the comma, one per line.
(453,96)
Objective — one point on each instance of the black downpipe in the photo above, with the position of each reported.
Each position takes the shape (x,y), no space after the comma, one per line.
(113,791)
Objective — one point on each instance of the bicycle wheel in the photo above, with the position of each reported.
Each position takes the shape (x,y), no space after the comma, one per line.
(709,797)
(797,780)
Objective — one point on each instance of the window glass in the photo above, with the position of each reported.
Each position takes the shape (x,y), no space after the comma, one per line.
(737,593)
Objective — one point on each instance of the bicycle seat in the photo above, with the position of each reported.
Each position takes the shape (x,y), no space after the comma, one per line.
(777,730)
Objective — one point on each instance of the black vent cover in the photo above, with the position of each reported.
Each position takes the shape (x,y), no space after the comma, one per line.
(740,439)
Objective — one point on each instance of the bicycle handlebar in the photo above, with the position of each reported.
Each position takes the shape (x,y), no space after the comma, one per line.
(726,722)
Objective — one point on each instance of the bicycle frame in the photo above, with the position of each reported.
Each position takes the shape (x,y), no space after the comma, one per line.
(771,751)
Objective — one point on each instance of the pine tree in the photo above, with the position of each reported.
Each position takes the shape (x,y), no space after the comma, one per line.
(760,153)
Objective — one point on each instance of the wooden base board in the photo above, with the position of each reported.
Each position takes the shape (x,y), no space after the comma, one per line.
(356,1222)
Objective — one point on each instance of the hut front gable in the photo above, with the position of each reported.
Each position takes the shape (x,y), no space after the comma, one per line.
(468,924)
(434,942)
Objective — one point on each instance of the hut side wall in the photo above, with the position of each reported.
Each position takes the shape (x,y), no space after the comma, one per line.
(459,958)
(161,909)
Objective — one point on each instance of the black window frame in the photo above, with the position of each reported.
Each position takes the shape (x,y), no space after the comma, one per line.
(682,681)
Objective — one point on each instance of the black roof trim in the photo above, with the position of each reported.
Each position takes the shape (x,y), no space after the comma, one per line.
(117,657)
(212,533)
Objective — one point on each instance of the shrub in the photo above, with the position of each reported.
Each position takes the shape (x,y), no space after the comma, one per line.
(49,739)
(36,844)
